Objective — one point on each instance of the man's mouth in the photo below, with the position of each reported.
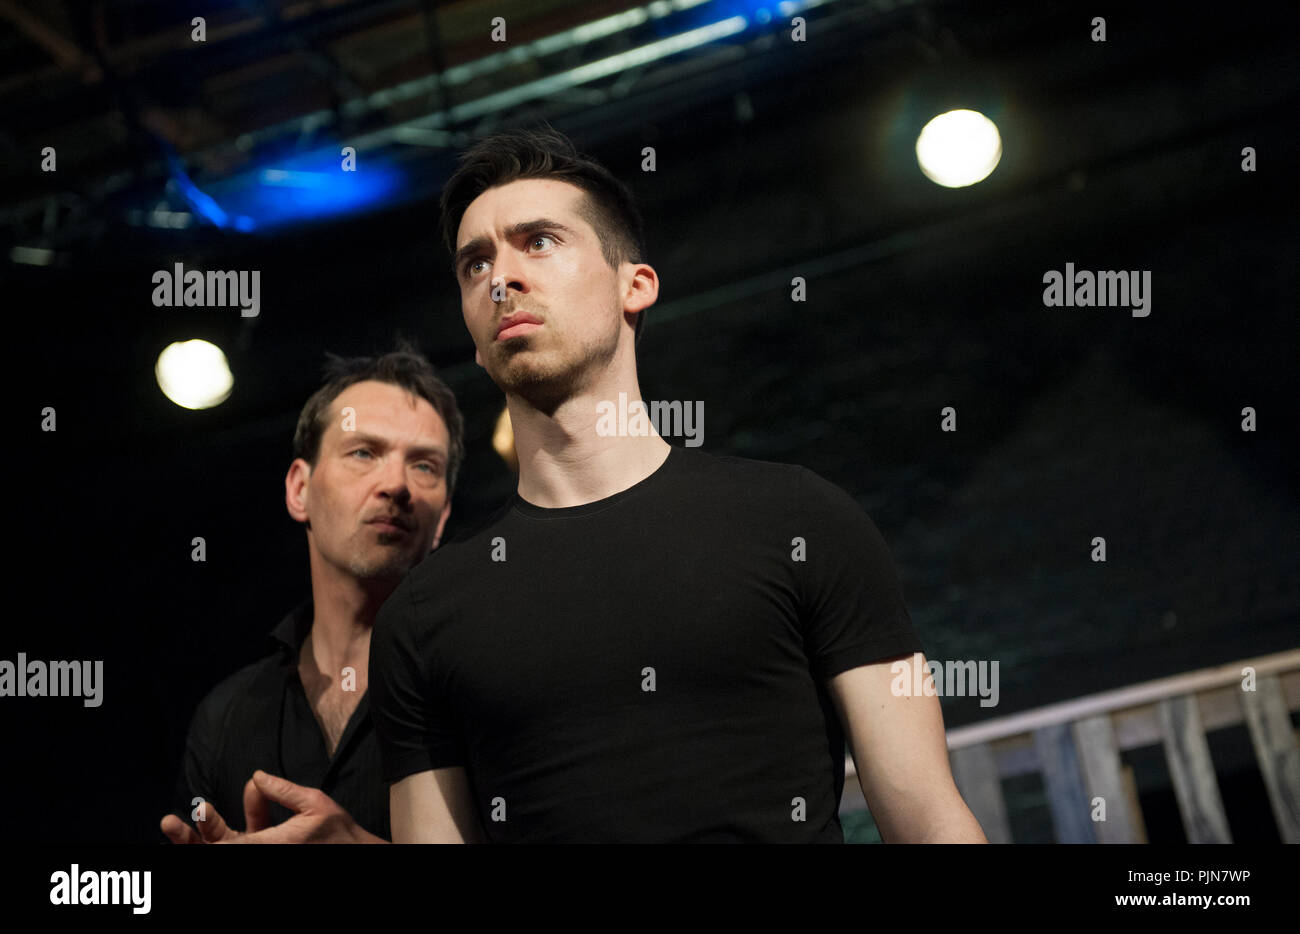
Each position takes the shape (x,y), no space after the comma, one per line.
(517,324)
(390,524)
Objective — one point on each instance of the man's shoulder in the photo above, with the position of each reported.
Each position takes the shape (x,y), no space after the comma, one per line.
(219,729)
(701,461)
(743,474)
(233,688)
(792,490)
(464,546)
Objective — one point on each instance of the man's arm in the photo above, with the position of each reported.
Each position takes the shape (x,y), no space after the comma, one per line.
(434,806)
(901,753)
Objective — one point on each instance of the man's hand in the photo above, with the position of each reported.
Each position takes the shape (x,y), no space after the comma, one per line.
(317,818)
(212,829)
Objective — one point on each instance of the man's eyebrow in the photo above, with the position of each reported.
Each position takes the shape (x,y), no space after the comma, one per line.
(352,437)
(469,249)
(434,452)
(514,230)
(360,437)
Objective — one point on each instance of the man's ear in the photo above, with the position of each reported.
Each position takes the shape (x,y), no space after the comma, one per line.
(442,522)
(640,287)
(295,490)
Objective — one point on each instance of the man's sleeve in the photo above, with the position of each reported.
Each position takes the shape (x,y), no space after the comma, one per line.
(417,730)
(853,611)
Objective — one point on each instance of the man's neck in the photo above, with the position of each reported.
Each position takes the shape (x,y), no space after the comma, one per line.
(564,461)
(344,611)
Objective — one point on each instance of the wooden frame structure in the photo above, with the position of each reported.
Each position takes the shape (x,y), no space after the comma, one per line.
(1076,746)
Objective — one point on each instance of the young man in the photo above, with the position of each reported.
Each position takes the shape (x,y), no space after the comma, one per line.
(376,452)
(647,643)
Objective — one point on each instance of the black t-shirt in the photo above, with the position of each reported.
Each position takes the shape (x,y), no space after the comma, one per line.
(649,667)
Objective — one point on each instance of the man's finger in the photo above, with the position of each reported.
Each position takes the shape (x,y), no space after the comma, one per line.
(282,791)
(178,831)
(214,829)
(257,809)
(291,831)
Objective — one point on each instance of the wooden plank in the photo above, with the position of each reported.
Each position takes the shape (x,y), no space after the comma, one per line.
(1291,689)
(1148,692)
(1134,806)
(1135,725)
(1094,739)
(1059,762)
(1192,770)
(1276,752)
(1135,728)
(1219,708)
(976,772)
(1015,755)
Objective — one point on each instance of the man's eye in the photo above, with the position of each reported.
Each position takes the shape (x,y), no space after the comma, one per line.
(425,465)
(469,267)
(359,451)
(541,237)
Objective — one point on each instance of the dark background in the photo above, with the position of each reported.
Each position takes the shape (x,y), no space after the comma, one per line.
(775,159)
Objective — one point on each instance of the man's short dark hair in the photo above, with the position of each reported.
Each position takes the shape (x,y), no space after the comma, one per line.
(405,367)
(545,152)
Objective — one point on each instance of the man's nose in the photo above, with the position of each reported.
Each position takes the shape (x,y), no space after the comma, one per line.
(393,479)
(509,271)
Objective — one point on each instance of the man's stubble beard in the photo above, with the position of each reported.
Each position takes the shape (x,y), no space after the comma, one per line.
(543,381)
(388,564)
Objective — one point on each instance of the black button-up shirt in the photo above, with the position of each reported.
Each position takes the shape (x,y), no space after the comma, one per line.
(260,718)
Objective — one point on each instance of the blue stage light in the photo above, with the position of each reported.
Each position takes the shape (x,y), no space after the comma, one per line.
(299,188)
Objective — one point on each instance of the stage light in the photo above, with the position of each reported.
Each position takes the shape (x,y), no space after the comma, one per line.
(958,148)
(194,374)
(308,186)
